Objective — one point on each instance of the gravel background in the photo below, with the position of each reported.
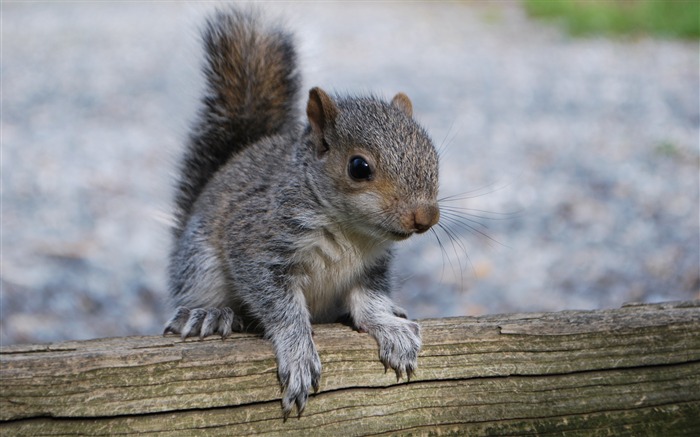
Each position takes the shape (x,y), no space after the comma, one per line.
(584,151)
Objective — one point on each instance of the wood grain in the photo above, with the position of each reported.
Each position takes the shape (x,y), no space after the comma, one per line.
(628,371)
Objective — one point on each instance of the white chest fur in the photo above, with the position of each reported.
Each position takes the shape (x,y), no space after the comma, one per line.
(332,264)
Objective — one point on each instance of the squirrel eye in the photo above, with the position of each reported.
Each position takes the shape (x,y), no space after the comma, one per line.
(359,169)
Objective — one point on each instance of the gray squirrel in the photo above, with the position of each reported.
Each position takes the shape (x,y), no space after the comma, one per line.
(281,224)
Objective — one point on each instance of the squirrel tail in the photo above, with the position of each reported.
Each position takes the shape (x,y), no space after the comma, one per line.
(252,88)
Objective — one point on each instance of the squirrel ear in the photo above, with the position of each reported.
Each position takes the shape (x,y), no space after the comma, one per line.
(321,110)
(402,102)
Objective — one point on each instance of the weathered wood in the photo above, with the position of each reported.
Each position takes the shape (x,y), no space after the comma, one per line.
(630,371)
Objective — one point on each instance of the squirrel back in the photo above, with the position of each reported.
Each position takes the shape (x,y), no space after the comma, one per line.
(252,89)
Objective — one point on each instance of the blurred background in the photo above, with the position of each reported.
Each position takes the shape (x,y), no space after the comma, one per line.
(568,134)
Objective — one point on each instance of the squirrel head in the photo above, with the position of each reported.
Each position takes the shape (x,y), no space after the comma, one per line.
(379,168)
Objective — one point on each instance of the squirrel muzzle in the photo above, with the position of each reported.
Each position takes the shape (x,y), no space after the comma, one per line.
(421,218)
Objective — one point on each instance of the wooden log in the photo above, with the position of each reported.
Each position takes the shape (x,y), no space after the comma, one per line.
(629,371)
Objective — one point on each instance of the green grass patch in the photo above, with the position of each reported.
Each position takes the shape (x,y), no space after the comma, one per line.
(667,18)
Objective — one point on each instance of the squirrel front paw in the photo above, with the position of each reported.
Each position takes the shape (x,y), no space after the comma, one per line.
(299,370)
(399,343)
(203,322)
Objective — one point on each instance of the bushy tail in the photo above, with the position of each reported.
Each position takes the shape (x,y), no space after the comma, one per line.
(252,89)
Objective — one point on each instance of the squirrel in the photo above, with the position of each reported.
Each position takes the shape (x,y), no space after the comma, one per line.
(281,223)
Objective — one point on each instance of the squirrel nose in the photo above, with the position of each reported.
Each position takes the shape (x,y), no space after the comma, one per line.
(424,217)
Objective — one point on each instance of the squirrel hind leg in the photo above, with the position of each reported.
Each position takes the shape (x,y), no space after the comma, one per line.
(203,322)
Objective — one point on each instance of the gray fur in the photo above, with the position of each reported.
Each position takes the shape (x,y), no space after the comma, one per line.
(281,236)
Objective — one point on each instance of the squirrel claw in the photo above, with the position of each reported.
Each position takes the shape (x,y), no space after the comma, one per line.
(194,323)
(177,321)
(203,322)
(409,373)
(301,404)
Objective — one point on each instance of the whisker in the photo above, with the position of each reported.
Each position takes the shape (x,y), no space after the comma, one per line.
(446,141)
(471,193)
(456,217)
(464,210)
(443,253)
(467,227)
(456,242)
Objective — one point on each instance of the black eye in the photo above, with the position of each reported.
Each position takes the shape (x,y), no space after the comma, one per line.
(359,169)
